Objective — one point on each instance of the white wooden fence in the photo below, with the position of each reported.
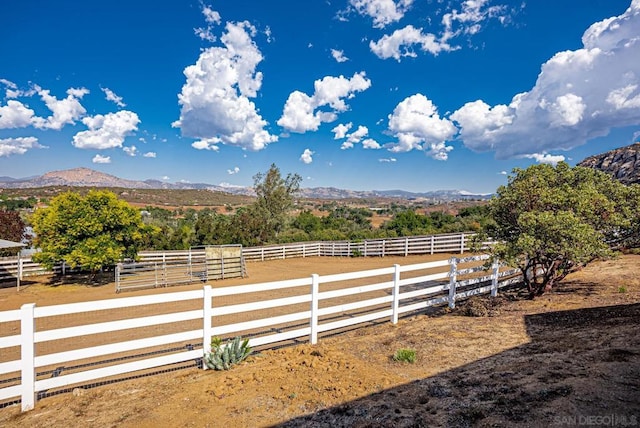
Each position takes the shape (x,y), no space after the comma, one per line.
(72,344)
(10,267)
(405,246)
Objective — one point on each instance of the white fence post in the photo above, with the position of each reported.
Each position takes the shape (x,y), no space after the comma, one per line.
(406,246)
(207,313)
(396,294)
(155,270)
(494,278)
(27,351)
(118,268)
(432,243)
(20,267)
(461,243)
(452,282)
(315,288)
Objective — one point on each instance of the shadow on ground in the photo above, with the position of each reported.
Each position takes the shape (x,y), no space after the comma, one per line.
(581,368)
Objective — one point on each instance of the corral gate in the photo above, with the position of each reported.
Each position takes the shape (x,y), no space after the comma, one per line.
(223,261)
(206,263)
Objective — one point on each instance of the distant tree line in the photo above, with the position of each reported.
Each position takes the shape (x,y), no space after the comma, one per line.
(191,227)
(13,204)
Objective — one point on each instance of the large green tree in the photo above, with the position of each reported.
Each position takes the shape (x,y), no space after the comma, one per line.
(551,221)
(275,198)
(91,231)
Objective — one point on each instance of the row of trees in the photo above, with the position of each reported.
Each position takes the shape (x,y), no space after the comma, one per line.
(247,227)
(549,221)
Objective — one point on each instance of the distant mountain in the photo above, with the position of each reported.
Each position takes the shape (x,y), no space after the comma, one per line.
(441,195)
(85,177)
(623,164)
(157,184)
(82,177)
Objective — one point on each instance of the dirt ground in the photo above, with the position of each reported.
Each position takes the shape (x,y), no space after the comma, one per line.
(569,358)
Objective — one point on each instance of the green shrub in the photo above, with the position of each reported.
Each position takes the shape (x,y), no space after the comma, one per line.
(222,357)
(406,355)
(622,289)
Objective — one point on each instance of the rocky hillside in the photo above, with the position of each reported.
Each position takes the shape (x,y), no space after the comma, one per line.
(82,177)
(622,164)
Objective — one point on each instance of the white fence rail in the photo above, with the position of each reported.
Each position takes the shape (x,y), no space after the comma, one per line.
(109,338)
(405,246)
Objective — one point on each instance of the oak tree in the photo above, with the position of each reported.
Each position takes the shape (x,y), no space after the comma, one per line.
(91,231)
(551,221)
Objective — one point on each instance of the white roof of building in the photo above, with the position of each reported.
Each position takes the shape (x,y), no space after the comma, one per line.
(10,244)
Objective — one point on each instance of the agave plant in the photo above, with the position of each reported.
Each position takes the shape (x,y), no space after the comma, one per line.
(222,357)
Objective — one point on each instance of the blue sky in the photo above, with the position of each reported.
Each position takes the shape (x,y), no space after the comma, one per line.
(361,94)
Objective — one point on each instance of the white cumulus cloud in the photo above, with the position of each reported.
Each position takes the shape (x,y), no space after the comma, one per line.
(11,89)
(468,20)
(106,131)
(215,100)
(370,143)
(579,95)
(207,144)
(403,42)
(18,146)
(64,112)
(383,12)
(149,155)
(101,159)
(339,55)
(233,171)
(465,21)
(545,158)
(111,96)
(212,18)
(131,151)
(301,112)
(355,137)
(15,115)
(416,124)
(306,156)
(341,130)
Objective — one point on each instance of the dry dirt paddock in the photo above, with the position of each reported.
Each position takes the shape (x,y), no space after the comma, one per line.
(569,358)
